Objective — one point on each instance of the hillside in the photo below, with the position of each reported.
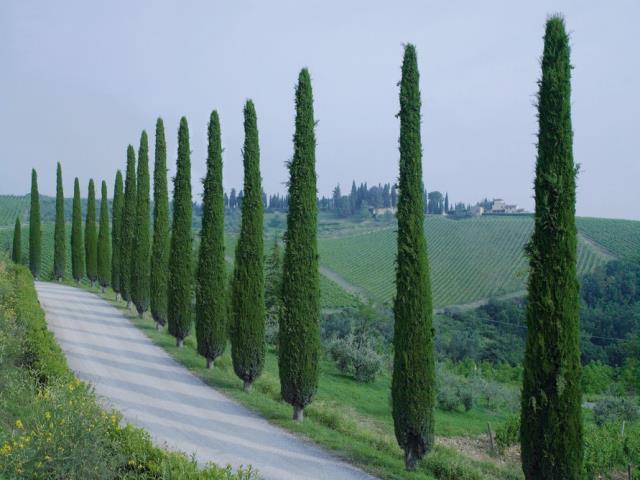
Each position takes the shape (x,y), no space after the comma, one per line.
(471,259)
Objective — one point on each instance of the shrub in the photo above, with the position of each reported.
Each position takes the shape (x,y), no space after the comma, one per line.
(614,409)
(447,397)
(606,449)
(354,356)
(508,433)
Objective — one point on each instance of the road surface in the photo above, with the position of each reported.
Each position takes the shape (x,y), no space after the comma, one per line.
(154,392)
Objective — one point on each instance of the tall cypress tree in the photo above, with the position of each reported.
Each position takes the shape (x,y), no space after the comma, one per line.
(104,249)
(116,233)
(16,250)
(180,269)
(211,327)
(141,243)
(299,337)
(160,248)
(128,226)
(35,232)
(59,240)
(77,244)
(413,383)
(247,322)
(551,431)
(90,236)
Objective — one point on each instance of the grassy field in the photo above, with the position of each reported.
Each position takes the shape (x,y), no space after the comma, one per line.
(620,237)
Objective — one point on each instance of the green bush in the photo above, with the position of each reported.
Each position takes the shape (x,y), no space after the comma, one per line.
(354,356)
(607,450)
(508,433)
(615,409)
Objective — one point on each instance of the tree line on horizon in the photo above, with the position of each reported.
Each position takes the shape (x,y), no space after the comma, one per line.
(150,266)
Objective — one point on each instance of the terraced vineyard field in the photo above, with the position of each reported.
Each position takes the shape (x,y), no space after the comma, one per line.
(620,237)
(12,206)
(470,259)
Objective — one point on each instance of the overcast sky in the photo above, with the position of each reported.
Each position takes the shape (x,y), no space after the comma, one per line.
(81,79)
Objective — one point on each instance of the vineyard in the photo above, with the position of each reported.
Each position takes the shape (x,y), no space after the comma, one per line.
(12,206)
(620,237)
(469,259)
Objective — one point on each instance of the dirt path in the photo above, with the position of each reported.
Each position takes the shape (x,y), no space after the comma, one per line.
(600,250)
(156,393)
(360,293)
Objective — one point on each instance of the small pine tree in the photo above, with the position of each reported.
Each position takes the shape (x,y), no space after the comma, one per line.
(413,382)
(59,240)
(211,325)
(116,233)
(16,250)
(160,248)
(299,338)
(104,249)
(128,226)
(247,322)
(141,244)
(77,243)
(551,422)
(35,231)
(90,236)
(180,269)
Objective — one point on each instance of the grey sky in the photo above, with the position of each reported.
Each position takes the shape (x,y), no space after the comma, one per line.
(81,79)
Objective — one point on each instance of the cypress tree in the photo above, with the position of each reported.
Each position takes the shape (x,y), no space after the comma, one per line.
(116,233)
(90,236)
(59,241)
(77,244)
(299,337)
(247,323)
(160,248)
(551,431)
(35,232)
(211,306)
(104,249)
(141,243)
(128,225)
(16,250)
(180,269)
(413,383)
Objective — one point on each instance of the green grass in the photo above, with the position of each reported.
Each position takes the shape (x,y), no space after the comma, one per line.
(351,418)
(620,237)
(469,259)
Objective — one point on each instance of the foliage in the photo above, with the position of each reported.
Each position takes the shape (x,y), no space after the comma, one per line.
(248,316)
(77,242)
(508,433)
(35,233)
(607,449)
(273,293)
(104,247)
(116,232)
(615,409)
(180,266)
(141,243)
(160,247)
(355,356)
(128,226)
(299,336)
(16,247)
(551,421)
(413,385)
(91,235)
(211,315)
(59,242)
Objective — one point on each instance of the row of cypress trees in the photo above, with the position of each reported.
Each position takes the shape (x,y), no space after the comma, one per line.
(551,432)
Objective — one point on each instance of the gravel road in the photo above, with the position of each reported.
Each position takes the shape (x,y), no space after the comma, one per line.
(154,392)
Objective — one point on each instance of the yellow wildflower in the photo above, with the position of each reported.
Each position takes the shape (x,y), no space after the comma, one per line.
(47,415)
(5,449)
(19,424)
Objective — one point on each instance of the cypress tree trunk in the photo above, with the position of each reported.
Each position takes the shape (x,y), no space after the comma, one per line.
(128,225)
(59,240)
(104,249)
(116,233)
(211,326)
(180,269)
(16,250)
(413,383)
(141,244)
(299,338)
(160,249)
(247,322)
(35,232)
(90,236)
(77,243)
(551,431)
